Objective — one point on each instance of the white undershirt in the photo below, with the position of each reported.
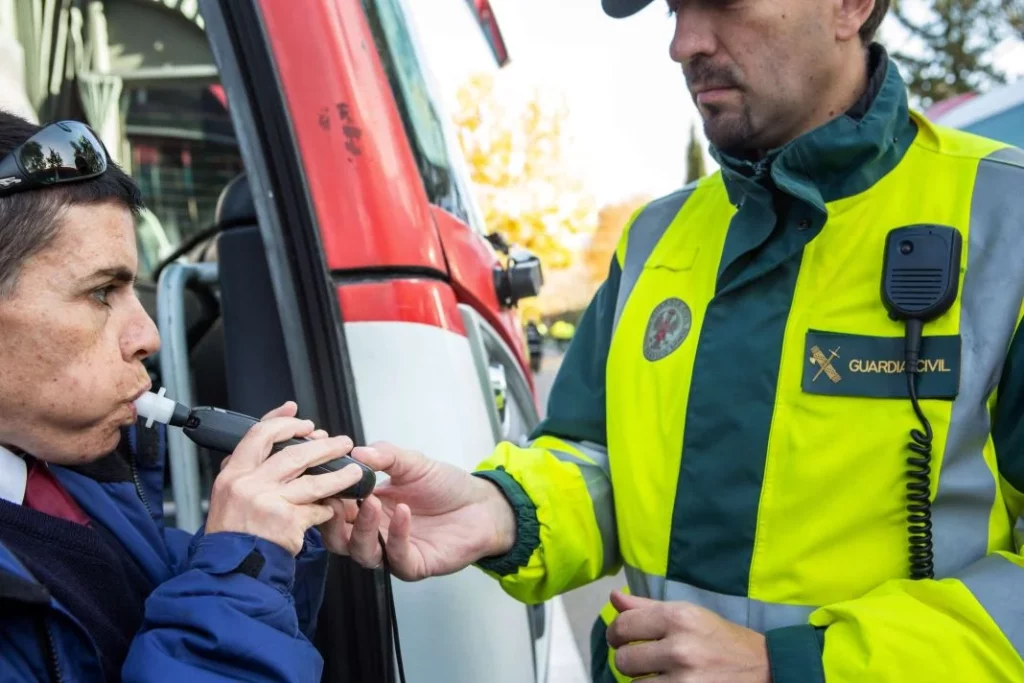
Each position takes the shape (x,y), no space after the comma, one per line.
(13,477)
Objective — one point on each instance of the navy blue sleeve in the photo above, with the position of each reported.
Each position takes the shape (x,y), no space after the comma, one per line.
(229,615)
(310,572)
(310,581)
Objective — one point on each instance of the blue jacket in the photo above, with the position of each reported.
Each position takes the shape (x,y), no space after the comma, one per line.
(204,621)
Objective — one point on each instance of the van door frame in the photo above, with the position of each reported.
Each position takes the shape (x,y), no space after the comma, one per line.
(356,649)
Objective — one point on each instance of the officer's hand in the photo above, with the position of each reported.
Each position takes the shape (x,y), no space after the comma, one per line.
(271,497)
(435,517)
(677,642)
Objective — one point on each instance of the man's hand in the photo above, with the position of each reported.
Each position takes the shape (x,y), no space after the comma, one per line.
(271,497)
(676,642)
(435,517)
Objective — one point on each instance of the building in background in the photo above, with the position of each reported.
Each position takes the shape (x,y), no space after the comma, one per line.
(998,114)
(141,73)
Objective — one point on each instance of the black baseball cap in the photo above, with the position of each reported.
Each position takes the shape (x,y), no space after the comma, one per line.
(619,9)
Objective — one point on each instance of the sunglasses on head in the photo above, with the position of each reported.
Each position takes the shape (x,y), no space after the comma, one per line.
(62,152)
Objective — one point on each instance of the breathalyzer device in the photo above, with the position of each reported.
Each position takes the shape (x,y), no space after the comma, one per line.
(222,430)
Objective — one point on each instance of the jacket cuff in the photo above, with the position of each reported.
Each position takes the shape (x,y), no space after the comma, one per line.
(794,654)
(227,552)
(312,544)
(527,524)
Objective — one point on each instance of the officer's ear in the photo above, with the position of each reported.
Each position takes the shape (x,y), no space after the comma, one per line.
(851,16)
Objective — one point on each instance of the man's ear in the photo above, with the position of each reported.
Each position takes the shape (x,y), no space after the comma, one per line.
(850,16)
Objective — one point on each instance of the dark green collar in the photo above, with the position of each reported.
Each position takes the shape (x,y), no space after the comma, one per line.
(844,157)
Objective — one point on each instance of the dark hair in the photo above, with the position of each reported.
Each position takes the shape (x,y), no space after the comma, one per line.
(874,20)
(29,220)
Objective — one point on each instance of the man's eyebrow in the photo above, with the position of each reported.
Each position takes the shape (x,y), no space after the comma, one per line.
(119,274)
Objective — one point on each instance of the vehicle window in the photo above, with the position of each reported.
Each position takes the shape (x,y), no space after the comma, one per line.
(182,152)
(423,125)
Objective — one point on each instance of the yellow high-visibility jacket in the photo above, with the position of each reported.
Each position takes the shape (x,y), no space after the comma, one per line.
(731,421)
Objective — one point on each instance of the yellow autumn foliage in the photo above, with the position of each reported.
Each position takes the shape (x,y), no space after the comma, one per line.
(611,221)
(515,153)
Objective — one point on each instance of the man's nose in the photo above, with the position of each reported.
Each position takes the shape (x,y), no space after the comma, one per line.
(140,338)
(694,34)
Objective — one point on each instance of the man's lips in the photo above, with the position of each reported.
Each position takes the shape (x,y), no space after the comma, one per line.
(707,95)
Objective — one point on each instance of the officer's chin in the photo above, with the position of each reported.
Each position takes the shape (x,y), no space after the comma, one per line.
(725,134)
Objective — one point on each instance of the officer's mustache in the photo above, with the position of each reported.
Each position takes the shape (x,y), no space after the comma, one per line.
(701,74)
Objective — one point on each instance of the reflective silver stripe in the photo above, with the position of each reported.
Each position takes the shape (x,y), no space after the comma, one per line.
(996,583)
(753,614)
(991,301)
(644,235)
(599,486)
(596,452)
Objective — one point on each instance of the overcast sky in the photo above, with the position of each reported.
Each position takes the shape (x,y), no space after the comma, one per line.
(630,111)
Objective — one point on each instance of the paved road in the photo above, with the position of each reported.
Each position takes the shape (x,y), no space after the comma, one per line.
(581,605)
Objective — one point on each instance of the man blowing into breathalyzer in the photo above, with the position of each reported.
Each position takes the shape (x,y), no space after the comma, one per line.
(793,411)
(93,587)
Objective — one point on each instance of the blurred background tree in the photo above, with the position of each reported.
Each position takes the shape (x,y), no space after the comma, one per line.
(1015,15)
(516,155)
(611,220)
(694,157)
(952,44)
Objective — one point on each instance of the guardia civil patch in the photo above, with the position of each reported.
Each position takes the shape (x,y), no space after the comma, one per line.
(667,328)
(839,364)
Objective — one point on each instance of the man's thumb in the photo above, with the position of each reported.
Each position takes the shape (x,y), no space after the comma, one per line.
(623,602)
(381,457)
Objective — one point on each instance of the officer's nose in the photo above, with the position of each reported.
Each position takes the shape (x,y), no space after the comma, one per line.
(694,34)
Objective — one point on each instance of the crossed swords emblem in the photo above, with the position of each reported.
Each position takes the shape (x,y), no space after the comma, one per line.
(825,364)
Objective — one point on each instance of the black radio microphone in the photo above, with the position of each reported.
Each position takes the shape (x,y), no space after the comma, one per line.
(920,281)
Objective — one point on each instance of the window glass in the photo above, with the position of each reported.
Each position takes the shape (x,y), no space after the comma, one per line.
(419,112)
(182,153)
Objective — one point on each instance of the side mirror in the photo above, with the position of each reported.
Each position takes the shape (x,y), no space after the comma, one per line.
(522,278)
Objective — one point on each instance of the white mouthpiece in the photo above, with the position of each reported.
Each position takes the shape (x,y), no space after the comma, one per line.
(155,407)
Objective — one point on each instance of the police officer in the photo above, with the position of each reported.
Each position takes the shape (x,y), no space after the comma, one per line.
(731,423)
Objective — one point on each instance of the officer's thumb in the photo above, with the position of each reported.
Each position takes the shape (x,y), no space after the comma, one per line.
(623,602)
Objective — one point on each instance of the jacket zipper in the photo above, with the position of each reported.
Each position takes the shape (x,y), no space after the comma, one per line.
(761,167)
(52,660)
(138,485)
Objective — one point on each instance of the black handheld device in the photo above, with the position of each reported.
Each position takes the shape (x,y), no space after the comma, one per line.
(221,430)
(920,281)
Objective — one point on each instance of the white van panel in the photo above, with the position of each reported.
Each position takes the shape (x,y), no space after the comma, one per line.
(417,387)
